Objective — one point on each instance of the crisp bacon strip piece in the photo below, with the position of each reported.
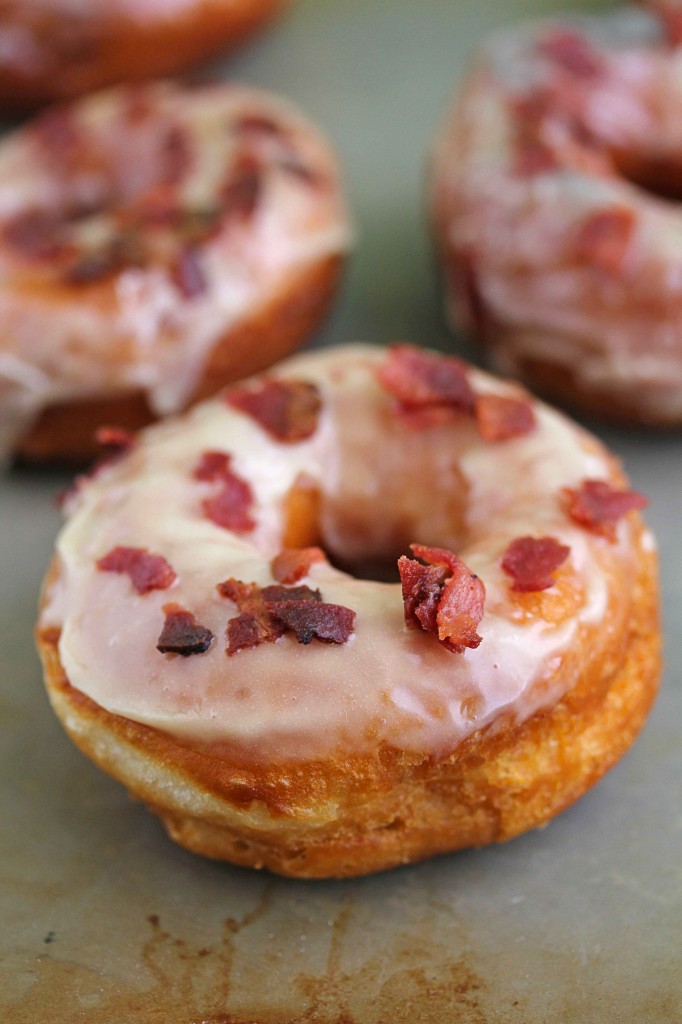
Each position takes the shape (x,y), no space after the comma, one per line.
(182,634)
(500,418)
(421,381)
(146,570)
(241,192)
(292,564)
(253,625)
(572,52)
(188,273)
(116,440)
(442,597)
(598,506)
(605,237)
(288,410)
(308,620)
(266,613)
(530,561)
(230,506)
(670,15)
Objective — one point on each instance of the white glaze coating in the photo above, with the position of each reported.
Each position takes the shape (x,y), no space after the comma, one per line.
(620,332)
(60,344)
(387,683)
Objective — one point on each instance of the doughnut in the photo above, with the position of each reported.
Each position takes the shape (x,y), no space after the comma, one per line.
(368,607)
(57,49)
(156,242)
(554,187)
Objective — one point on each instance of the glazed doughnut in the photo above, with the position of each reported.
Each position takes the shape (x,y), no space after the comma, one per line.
(553,198)
(56,49)
(201,643)
(155,243)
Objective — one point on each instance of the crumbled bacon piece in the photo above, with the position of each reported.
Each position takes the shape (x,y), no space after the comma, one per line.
(530,561)
(598,506)
(532,156)
(266,613)
(241,193)
(443,597)
(670,15)
(288,410)
(257,124)
(188,273)
(253,625)
(213,466)
(176,154)
(604,238)
(292,564)
(146,570)
(34,233)
(182,634)
(230,507)
(572,52)
(309,620)
(115,439)
(500,418)
(426,382)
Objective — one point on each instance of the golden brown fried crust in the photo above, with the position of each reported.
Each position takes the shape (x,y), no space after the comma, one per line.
(355,815)
(65,432)
(107,49)
(558,384)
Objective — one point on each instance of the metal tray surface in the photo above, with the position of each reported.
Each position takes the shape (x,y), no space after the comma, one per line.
(105,921)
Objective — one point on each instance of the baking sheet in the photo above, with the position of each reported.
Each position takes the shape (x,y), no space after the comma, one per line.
(104,920)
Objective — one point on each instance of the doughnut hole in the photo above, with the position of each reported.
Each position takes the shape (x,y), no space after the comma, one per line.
(406,487)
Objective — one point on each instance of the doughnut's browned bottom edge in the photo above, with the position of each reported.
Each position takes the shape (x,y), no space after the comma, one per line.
(65,432)
(356,815)
(110,49)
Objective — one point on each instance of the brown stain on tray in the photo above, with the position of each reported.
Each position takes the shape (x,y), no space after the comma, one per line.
(187,983)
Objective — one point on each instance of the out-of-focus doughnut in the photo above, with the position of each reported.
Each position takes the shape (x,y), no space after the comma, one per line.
(277,711)
(56,49)
(155,243)
(554,205)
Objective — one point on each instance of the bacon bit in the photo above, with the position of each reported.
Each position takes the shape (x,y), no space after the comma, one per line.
(292,564)
(34,233)
(176,154)
(531,157)
(329,623)
(188,273)
(288,410)
(253,625)
(116,439)
(670,15)
(425,382)
(254,124)
(443,597)
(598,506)
(273,593)
(230,507)
(213,466)
(146,570)
(182,634)
(245,631)
(500,418)
(241,192)
(267,613)
(530,561)
(604,238)
(57,131)
(572,52)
